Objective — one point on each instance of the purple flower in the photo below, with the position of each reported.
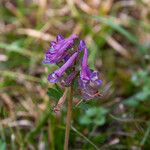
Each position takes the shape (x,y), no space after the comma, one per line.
(81,46)
(56,75)
(68,80)
(89,81)
(58,49)
(64,51)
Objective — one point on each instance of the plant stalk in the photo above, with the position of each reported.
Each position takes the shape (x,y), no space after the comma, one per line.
(68,119)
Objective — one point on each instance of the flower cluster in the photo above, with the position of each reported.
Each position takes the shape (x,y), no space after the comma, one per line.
(74,58)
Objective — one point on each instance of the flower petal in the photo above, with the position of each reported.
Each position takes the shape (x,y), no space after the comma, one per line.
(53,77)
(59,38)
(81,46)
(58,48)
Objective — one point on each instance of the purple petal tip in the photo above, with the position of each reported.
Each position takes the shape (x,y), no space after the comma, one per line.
(82,45)
(53,78)
(59,38)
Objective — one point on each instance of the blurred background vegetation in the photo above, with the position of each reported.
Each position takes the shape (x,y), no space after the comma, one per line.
(118,36)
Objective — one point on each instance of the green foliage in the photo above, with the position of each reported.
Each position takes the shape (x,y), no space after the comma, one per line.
(140,79)
(2,145)
(54,93)
(84,106)
(95,116)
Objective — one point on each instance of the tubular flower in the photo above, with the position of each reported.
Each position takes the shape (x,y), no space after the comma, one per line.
(56,75)
(89,81)
(58,49)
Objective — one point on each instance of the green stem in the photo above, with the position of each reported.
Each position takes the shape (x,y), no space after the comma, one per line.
(68,120)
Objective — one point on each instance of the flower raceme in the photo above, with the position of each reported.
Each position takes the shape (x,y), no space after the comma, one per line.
(75,67)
